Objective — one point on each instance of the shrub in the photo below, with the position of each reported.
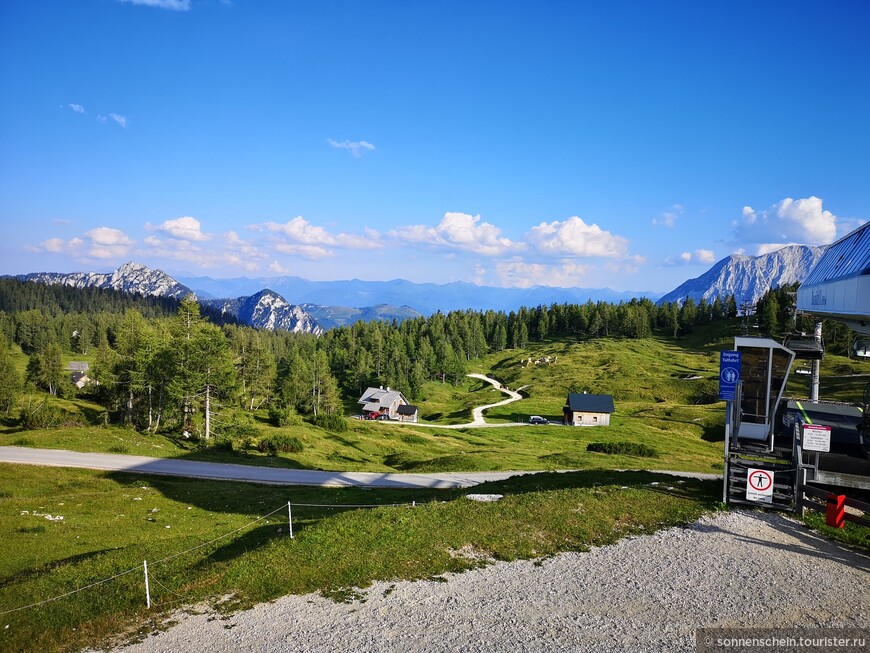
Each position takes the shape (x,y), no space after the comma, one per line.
(284,416)
(240,426)
(623,448)
(332,422)
(282,442)
(48,416)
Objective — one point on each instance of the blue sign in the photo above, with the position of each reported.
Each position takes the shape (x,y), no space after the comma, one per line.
(729,374)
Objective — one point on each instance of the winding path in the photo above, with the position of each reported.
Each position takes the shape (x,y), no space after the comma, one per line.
(477,414)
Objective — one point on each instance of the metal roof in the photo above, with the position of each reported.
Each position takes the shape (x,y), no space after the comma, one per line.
(586,403)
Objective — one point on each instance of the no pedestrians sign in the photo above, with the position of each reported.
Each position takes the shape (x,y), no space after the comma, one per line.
(759,485)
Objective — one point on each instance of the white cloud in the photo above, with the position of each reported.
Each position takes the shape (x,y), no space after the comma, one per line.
(459,231)
(788,221)
(121,120)
(705,255)
(698,257)
(277,268)
(108,243)
(53,245)
(302,232)
(627,265)
(354,147)
(175,5)
(668,218)
(243,252)
(78,108)
(574,237)
(846,226)
(184,228)
(109,237)
(310,252)
(517,273)
(102,119)
(98,243)
(184,243)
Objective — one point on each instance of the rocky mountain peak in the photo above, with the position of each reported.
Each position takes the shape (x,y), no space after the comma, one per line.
(749,277)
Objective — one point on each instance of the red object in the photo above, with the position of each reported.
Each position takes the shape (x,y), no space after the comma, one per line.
(836,513)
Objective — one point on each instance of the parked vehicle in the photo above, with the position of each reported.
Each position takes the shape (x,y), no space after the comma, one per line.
(537,419)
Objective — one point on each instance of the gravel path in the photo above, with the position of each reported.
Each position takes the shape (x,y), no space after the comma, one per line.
(648,593)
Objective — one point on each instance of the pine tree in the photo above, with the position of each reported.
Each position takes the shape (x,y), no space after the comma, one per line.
(10,379)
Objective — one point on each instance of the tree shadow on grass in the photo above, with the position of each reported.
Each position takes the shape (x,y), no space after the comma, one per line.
(715,433)
(311,505)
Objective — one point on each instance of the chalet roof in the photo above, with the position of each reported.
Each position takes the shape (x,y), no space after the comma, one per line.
(381,397)
(586,403)
(407,409)
(77,366)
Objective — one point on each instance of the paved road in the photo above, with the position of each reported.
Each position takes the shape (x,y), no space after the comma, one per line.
(231,472)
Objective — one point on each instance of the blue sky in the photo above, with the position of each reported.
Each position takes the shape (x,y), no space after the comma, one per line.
(582,144)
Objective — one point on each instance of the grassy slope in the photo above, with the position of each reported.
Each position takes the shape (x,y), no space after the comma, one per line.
(114,521)
(664,390)
(654,407)
(106,529)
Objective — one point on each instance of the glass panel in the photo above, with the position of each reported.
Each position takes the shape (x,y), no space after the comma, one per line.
(753,375)
(779,373)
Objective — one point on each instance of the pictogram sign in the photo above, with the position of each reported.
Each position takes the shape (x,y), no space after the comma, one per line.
(759,485)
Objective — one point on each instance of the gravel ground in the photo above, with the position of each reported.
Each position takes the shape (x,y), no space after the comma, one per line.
(647,593)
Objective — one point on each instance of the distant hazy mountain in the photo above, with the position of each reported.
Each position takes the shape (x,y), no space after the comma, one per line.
(749,277)
(130,277)
(330,317)
(427,298)
(267,310)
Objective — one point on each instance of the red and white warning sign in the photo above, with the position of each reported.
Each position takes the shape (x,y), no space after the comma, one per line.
(759,485)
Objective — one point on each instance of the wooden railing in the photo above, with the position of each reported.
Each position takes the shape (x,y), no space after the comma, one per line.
(834,506)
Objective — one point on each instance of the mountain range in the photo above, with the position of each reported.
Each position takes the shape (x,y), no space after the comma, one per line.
(749,277)
(130,277)
(425,298)
(321,305)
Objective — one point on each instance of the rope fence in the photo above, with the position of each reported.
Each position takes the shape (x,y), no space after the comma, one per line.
(148,577)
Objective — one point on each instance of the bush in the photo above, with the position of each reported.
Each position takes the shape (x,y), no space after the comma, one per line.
(48,416)
(280,442)
(222,443)
(239,426)
(623,448)
(283,416)
(333,422)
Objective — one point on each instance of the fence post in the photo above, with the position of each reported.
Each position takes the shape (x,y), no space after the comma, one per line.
(147,588)
(290,519)
(835,515)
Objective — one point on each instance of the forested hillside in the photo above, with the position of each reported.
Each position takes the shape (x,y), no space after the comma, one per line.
(159,364)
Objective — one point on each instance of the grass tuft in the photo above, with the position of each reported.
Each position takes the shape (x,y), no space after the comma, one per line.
(623,449)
